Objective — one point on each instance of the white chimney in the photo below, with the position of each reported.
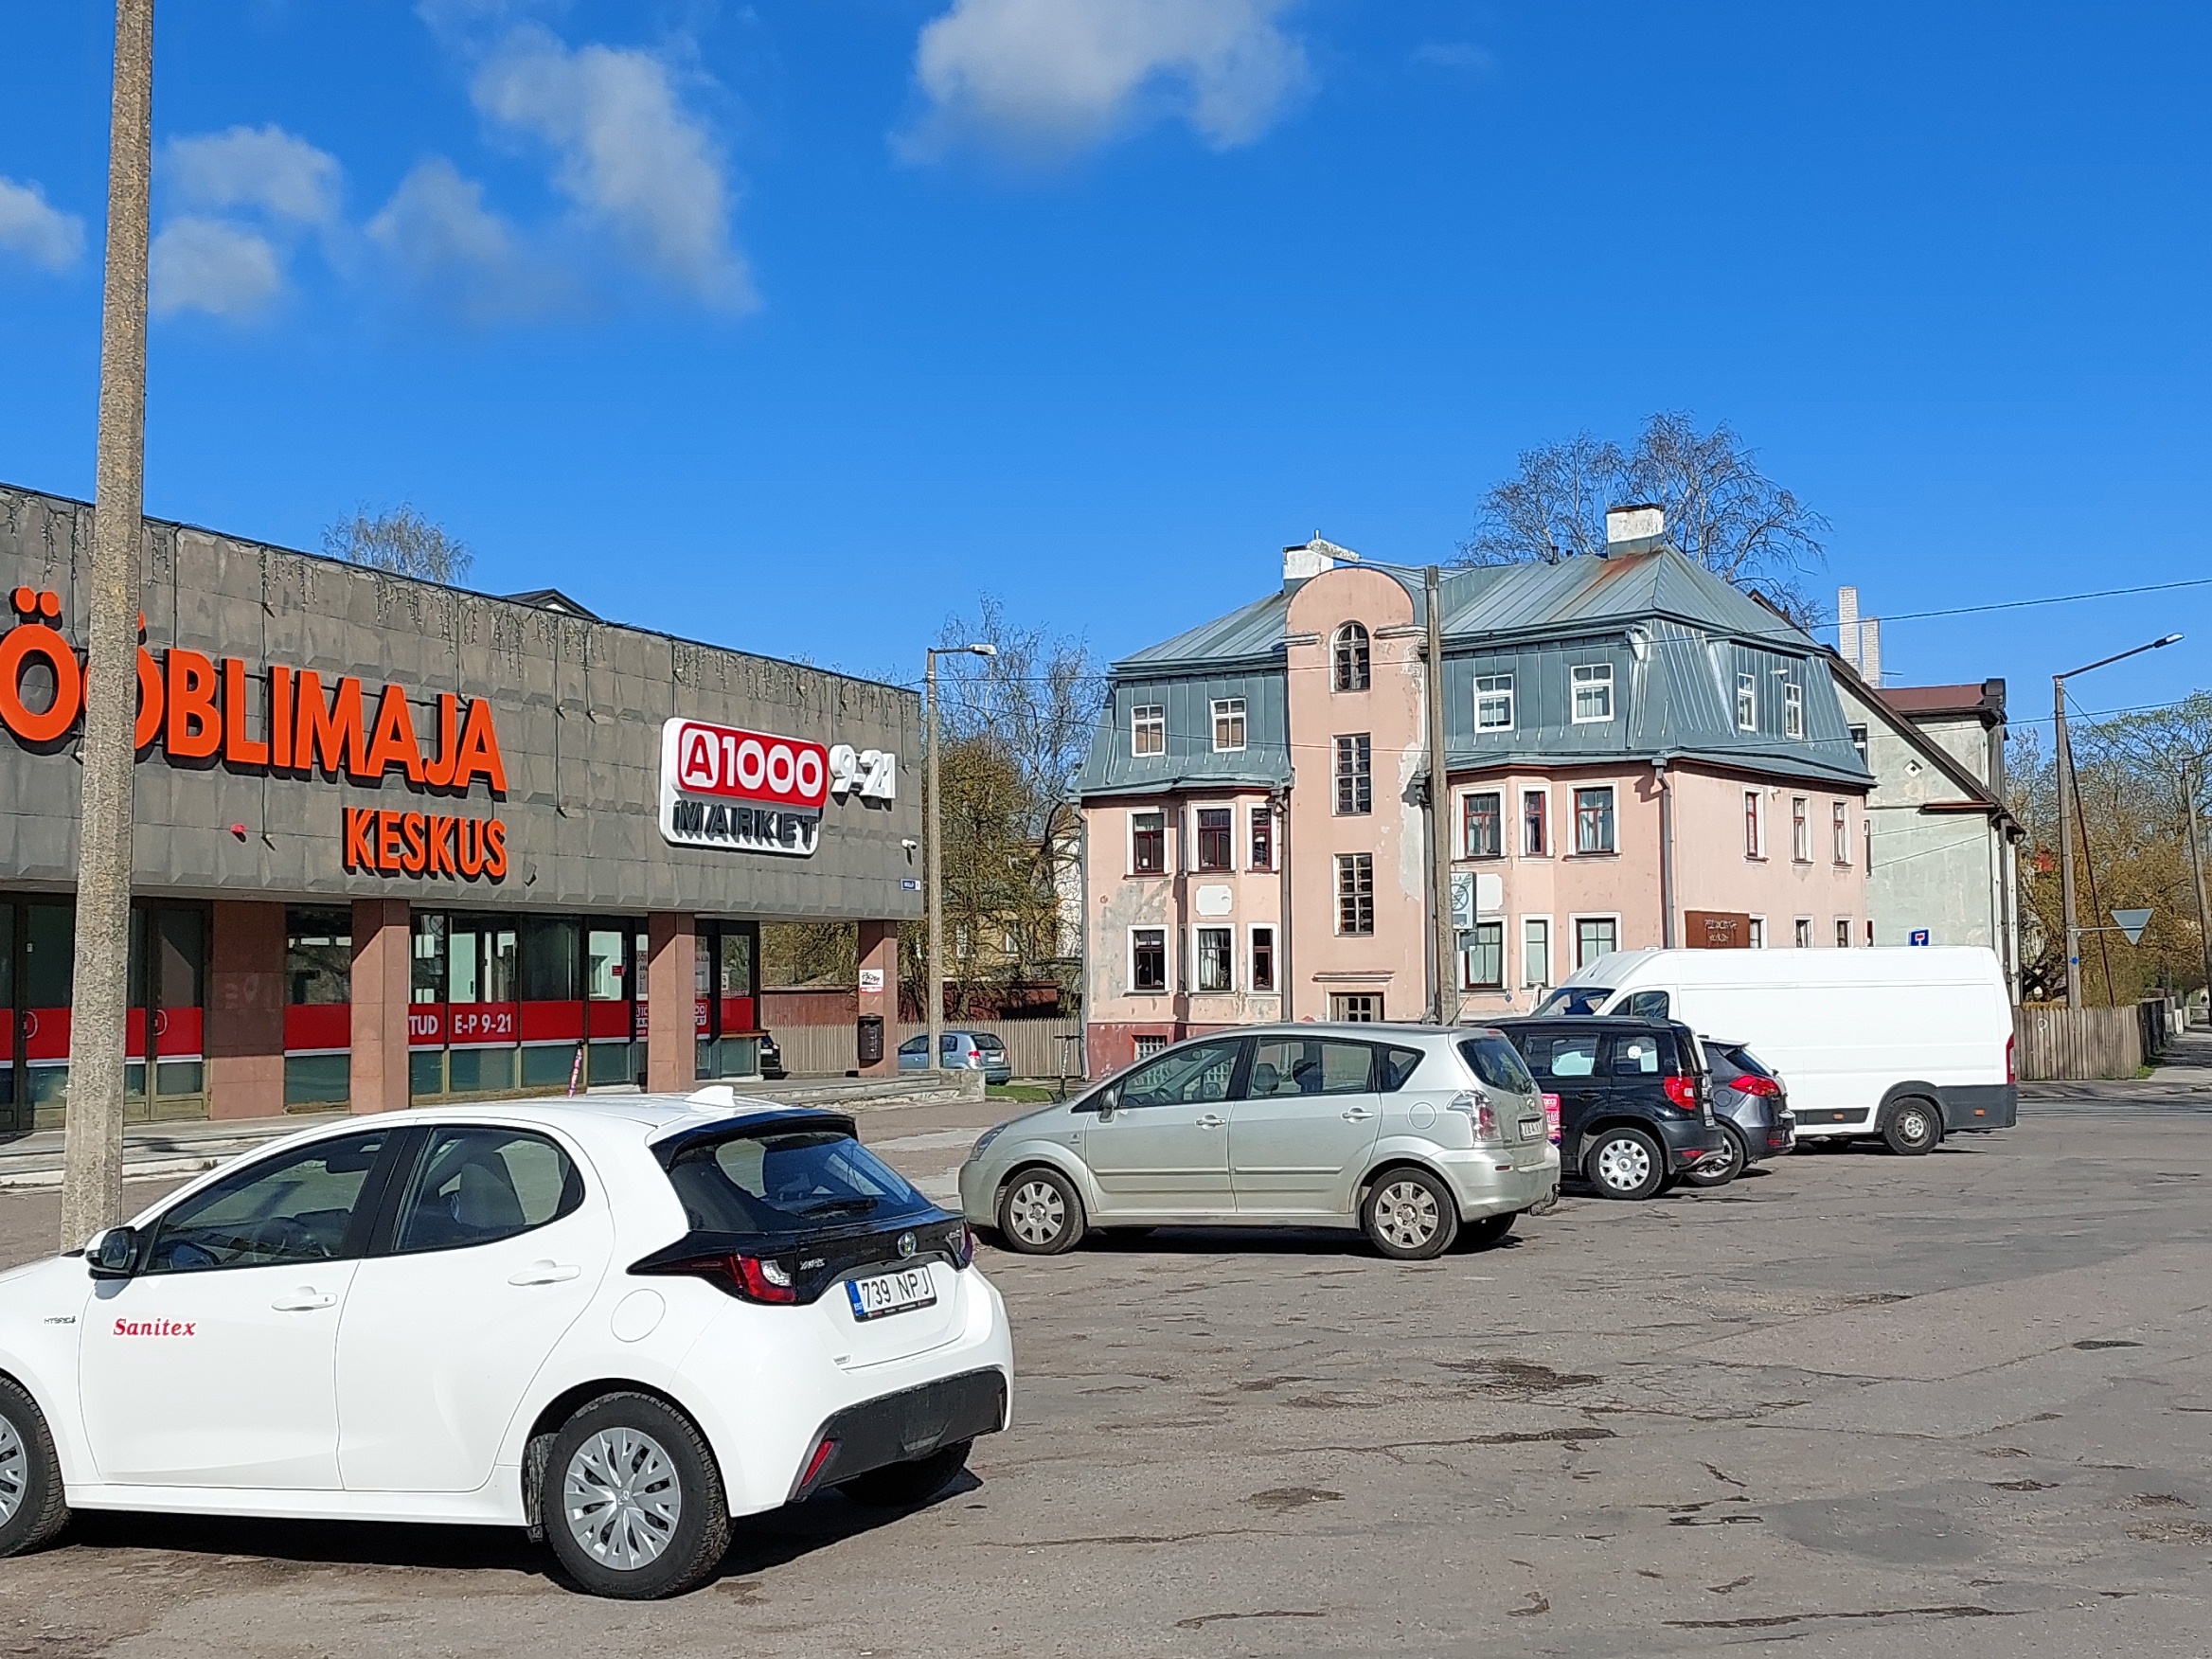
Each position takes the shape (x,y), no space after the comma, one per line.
(1634,529)
(1305,560)
(1848,625)
(1870,652)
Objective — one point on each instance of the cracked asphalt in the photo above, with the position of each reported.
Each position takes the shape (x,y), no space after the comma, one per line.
(1853,1404)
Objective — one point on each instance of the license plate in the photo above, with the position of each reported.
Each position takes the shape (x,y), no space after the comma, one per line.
(1531,1128)
(891,1292)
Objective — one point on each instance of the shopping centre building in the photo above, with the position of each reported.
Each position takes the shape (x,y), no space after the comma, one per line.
(396,842)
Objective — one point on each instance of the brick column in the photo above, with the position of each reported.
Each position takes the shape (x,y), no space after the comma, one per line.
(382,944)
(879,953)
(671,994)
(245,1010)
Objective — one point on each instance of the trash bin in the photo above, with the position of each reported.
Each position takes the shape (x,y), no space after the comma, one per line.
(870,1037)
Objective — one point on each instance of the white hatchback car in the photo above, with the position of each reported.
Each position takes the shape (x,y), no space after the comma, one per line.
(616,1324)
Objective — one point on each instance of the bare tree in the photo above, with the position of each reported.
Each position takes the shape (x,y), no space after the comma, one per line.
(401,541)
(1722,511)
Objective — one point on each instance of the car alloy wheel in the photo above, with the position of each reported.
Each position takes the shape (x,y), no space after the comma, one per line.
(1410,1215)
(1039,1214)
(14,1471)
(621,1498)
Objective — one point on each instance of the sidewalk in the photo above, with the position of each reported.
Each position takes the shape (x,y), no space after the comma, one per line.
(158,1152)
(2186,1075)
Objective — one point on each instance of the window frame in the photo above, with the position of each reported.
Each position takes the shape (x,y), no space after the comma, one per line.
(1531,925)
(1587,675)
(404,1189)
(1490,686)
(1746,701)
(1225,830)
(1840,829)
(1842,933)
(1793,709)
(1144,718)
(1755,824)
(1351,659)
(1858,737)
(1541,823)
(1253,956)
(1611,820)
(1135,835)
(1349,867)
(1800,828)
(1226,954)
(1261,826)
(1755,936)
(1230,712)
(1497,823)
(1496,927)
(1167,964)
(367,1223)
(1801,935)
(1610,919)
(1353,774)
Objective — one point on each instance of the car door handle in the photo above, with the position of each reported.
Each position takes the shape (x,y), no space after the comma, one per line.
(545,1273)
(304,1300)
(1357,1114)
(1210,1121)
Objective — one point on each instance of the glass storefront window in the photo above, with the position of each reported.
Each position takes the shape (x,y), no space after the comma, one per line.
(318,983)
(549,965)
(426,967)
(48,967)
(318,956)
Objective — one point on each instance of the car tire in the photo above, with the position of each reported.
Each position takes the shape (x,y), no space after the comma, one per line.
(1486,1231)
(908,1485)
(1410,1215)
(1624,1163)
(1911,1127)
(1716,1170)
(32,1505)
(1038,1212)
(632,1503)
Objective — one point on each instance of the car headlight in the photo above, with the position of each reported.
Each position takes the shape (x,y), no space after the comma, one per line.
(983,1140)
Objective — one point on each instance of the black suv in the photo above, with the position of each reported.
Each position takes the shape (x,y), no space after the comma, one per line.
(1636,1102)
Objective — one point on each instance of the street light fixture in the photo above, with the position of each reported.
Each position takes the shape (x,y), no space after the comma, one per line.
(2065,762)
(937,855)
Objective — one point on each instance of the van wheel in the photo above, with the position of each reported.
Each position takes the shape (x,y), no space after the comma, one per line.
(31,1506)
(1040,1214)
(1912,1128)
(1717,1169)
(1624,1162)
(1410,1215)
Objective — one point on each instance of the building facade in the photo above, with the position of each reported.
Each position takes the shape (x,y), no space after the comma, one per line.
(396,842)
(1637,754)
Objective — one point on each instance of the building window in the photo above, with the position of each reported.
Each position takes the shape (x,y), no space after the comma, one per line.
(1746,703)
(1842,933)
(1352,668)
(1217,951)
(1593,683)
(1594,820)
(1264,958)
(963,946)
(1358,1008)
(1535,822)
(1482,956)
(1595,937)
(1148,958)
(1757,938)
(1483,831)
(1263,838)
(1870,933)
(1148,729)
(1494,703)
(1800,829)
(1840,816)
(1858,741)
(1228,725)
(1217,838)
(1355,892)
(1148,1046)
(1804,933)
(1754,825)
(1147,843)
(1793,711)
(1535,951)
(1355,781)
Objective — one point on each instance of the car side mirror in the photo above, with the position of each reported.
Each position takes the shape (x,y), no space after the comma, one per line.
(1108,1100)
(113,1253)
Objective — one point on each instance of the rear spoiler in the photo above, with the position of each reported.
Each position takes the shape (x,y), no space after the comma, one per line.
(802,1119)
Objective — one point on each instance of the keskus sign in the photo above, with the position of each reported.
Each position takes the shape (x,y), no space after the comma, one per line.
(736,790)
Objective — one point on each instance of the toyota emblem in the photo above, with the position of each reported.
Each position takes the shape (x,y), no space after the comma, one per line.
(905,1245)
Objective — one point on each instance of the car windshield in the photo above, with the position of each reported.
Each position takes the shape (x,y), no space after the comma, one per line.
(1498,1063)
(790,1182)
(1576,999)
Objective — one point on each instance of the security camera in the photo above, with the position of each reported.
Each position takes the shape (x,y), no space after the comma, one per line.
(908,843)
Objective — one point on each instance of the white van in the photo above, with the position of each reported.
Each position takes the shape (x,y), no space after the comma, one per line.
(1908,1043)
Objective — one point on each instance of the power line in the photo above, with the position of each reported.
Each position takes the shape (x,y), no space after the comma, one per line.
(2163,587)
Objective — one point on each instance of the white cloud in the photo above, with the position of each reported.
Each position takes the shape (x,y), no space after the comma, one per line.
(632,157)
(266,169)
(437,230)
(1063,73)
(30,225)
(214,266)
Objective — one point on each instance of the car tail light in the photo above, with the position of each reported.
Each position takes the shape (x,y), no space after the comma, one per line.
(1748,1085)
(1682,1091)
(961,1242)
(752,1279)
(1480,1113)
(2011,1068)
(815,1464)
(1551,1117)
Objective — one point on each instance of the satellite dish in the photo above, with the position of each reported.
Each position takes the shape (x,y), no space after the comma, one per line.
(2133,922)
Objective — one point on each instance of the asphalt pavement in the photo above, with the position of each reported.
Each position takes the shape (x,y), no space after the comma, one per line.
(1854,1403)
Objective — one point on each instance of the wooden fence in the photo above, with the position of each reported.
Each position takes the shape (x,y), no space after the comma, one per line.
(2052,1042)
(1037,1048)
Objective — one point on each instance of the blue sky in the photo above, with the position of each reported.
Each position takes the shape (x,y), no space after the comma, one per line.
(796,326)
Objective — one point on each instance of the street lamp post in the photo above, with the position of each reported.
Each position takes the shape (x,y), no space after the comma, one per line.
(2065,764)
(935,874)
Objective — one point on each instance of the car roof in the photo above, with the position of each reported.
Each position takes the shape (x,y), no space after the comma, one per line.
(1590,1022)
(651,1116)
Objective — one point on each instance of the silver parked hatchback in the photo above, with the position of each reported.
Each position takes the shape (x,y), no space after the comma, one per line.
(1407,1133)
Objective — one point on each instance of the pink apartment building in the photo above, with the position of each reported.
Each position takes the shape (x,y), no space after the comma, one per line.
(1636,754)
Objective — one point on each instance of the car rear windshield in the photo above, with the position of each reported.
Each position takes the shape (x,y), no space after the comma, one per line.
(795,1182)
(1741,1058)
(988,1043)
(1575,999)
(1498,1063)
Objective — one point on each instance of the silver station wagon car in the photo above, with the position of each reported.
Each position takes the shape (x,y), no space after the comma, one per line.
(1413,1133)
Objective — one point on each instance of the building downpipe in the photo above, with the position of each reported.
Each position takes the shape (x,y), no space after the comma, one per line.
(1666,855)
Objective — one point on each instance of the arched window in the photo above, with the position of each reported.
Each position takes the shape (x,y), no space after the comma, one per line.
(1352,668)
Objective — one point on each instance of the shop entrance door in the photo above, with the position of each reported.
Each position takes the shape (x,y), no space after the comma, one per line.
(10,1023)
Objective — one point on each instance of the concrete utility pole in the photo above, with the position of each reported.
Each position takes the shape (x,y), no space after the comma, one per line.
(1444,1006)
(936,873)
(2065,765)
(2197,867)
(92,1179)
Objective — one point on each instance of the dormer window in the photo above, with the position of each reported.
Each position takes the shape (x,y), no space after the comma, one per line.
(1148,729)
(1354,667)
